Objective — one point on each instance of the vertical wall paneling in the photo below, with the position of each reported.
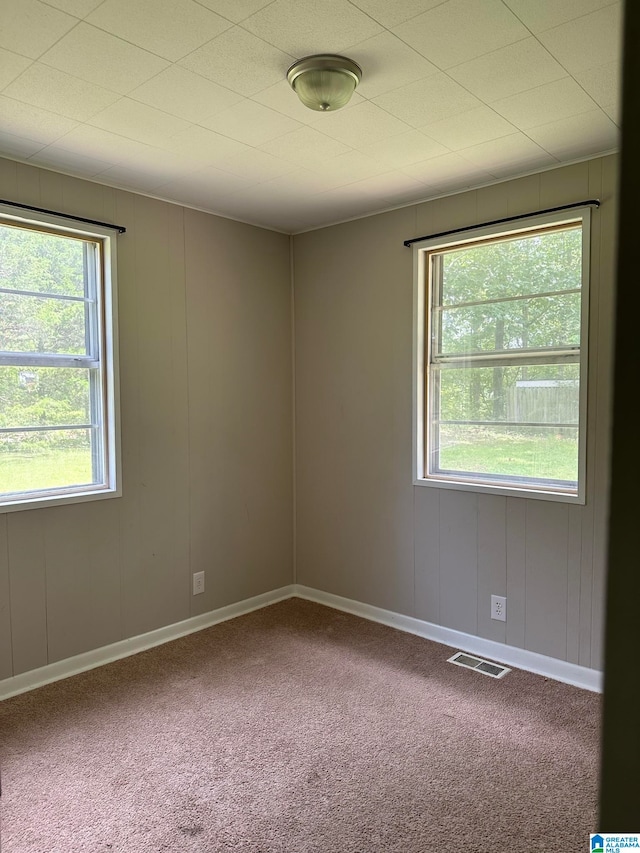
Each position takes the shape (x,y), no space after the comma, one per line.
(28,585)
(81,542)
(466,547)
(574,562)
(604,336)
(131,544)
(427,554)
(51,190)
(516,517)
(353,393)
(589,518)
(9,179)
(6,663)
(523,195)
(155,583)
(546,578)
(80,576)
(239,355)
(492,563)
(492,203)
(28,180)
(459,560)
(558,185)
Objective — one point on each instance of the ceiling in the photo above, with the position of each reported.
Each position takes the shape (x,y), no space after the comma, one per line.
(186,100)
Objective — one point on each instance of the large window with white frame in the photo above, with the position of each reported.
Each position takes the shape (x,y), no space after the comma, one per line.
(500,363)
(58,362)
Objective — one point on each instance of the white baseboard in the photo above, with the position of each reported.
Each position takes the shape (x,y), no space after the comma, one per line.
(570,673)
(559,670)
(124,648)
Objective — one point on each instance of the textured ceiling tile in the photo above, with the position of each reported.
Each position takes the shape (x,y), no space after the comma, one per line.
(185,94)
(202,184)
(170,28)
(32,122)
(404,149)
(282,98)
(391,186)
(79,8)
(29,27)
(545,103)
(103,59)
(240,61)
(11,66)
(235,10)
(436,170)
(101,144)
(509,70)
(305,147)
(60,93)
(516,148)
(602,83)
(577,136)
(387,63)
(345,203)
(301,27)
(18,146)
(138,121)
(470,128)
(55,157)
(204,145)
(360,125)
(427,100)
(251,123)
(390,14)
(256,165)
(460,30)
(543,14)
(614,111)
(145,178)
(587,42)
(350,167)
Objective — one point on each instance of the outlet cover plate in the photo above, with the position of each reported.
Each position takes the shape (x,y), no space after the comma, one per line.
(198,583)
(499,608)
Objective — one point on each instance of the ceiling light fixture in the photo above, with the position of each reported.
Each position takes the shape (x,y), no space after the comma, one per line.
(324,82)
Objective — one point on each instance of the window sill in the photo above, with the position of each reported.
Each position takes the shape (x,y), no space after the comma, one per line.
(503,490)
(34,502)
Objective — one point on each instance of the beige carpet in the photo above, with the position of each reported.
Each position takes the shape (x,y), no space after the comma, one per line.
(300,729)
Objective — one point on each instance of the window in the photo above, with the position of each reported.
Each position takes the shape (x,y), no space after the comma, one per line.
(501,358)
(58,382)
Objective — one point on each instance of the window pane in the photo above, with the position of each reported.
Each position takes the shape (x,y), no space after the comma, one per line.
(544,321)
(531,453)
(516,267)
(526,394)
(31,461)
(31,324)
(41,262)
(44,396)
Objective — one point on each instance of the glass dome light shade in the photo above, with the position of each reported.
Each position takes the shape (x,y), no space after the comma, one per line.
(325,82)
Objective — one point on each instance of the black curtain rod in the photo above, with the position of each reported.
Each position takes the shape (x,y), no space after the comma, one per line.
(592,202)
(119,228)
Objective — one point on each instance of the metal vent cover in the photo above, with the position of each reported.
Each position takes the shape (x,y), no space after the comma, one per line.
(486,667)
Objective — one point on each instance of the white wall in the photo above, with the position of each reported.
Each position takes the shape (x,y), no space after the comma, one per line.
(363,531)
(205,356)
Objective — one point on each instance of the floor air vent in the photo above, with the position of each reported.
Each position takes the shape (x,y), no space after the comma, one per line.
(493,670)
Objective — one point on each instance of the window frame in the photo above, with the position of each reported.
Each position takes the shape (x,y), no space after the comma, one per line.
(104,333)
(422,302)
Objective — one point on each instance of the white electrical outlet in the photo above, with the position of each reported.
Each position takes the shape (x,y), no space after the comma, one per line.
(499,608)
(198,583)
